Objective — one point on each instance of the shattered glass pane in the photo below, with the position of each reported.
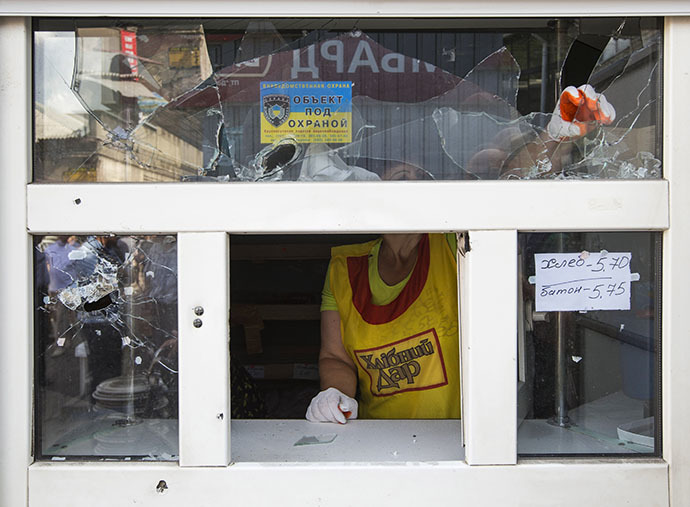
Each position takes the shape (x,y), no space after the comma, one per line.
(339,99)
(106,340)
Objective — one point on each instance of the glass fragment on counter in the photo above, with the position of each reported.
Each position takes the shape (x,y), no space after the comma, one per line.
(337,100)
(106,339)
(326,438)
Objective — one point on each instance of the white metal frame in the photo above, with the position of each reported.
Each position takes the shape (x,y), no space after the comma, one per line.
(15,269)
(203,349)
(207,212)
(676,276)
(344,8)
(489,344)
(277,207)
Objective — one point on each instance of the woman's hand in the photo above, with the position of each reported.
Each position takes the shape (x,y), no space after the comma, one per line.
(332,406)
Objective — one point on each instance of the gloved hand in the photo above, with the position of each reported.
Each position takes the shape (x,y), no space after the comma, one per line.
(578,111)
(332,406)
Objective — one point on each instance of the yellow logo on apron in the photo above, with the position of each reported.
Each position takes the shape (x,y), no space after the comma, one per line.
(411,364)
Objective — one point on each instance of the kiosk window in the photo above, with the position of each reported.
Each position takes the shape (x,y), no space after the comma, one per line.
(233,100)
(280,287)
(589,342)
(278,293)
(106,342)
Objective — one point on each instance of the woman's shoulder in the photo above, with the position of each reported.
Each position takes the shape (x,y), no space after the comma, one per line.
(353,250)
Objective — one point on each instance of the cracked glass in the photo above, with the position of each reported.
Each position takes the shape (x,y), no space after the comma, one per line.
(106,347)
(234,100)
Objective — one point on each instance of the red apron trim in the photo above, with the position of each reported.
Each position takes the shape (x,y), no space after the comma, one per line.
(358,271)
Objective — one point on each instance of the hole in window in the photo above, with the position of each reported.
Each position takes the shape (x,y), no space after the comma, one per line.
(106,347)
(589,344)
(232,100)
(314,313)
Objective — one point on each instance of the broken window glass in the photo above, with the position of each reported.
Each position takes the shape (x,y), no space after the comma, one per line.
(106,342)
(589,341)
(341,99)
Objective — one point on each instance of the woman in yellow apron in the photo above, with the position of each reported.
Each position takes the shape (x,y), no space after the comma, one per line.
(389,331)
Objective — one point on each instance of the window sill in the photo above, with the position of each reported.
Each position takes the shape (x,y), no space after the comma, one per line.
(273,441)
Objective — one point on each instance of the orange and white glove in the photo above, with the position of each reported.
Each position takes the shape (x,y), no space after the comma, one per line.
(579,110)
(332,406)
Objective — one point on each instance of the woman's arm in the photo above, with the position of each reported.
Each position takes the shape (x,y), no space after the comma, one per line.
(336,368)
(335,402)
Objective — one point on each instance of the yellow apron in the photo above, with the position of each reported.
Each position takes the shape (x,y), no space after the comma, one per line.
(406,352)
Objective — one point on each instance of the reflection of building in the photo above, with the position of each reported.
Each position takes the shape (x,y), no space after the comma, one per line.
(119,86)
(62,145)
(85,154)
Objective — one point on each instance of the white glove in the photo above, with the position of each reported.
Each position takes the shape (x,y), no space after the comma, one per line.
(332,406)
(578,111)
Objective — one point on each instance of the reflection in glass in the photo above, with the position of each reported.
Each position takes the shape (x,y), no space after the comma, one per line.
(589,373)
(219,100)
(106,342)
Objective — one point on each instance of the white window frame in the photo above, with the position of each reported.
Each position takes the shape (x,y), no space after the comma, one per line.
(206,212)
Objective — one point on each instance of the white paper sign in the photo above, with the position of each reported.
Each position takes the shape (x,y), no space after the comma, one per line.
(583,281)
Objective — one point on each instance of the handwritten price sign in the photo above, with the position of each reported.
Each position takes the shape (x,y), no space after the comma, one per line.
(583,281)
